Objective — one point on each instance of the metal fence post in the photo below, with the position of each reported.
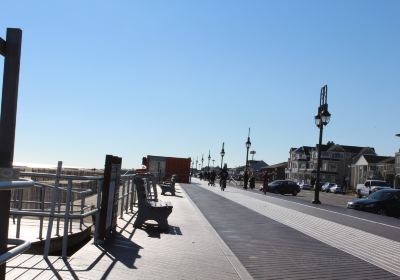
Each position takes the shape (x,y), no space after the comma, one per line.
(54,199)
(82,205)
(122,199)
(42,198)
(20,196)
(132,194)
(127,194)
(97,217)
(66,220)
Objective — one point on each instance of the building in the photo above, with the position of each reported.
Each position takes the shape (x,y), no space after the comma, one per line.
(373,167)
(276,171)
(397,169)
(335,162)
(165,167)
(255,166)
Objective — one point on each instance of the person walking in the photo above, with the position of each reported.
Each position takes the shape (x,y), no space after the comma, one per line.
(265,182)
(212,178)
(252,181)
(245,180)
(223,177)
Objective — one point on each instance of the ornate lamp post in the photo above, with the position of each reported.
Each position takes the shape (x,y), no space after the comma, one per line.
(209,157)
(196,162)
(213,161)
(248,145)
(222,153)
(202,159)
(321,119)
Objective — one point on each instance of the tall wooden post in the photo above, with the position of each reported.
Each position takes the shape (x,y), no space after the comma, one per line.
(11,50)
(109,197)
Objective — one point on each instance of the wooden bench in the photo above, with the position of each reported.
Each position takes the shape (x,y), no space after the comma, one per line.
(151,210)
(150,184)
(168,186)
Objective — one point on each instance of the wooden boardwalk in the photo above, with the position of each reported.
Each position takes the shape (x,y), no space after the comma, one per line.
(191,250)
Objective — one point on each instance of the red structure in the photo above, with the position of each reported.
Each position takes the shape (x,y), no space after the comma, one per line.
(165,167)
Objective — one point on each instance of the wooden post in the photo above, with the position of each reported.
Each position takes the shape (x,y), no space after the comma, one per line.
(109,197)
(11,50)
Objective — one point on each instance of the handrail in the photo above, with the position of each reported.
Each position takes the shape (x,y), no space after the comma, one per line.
(21,247)
(16,184)
(51,175)
(63,207)
(28,213)
(74,190)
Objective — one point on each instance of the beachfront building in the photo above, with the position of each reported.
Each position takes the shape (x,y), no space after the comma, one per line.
(335,163)
(373,167)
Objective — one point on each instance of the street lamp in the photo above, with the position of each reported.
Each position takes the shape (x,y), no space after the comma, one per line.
(196,162)
(248,145)
(202,159)
(213,161)
(209,157)
(222,153)
(321,119)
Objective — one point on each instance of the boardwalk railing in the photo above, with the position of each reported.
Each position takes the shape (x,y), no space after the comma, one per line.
(20,245)
(58,198)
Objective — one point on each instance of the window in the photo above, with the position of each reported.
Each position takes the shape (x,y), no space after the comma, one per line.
(337,155)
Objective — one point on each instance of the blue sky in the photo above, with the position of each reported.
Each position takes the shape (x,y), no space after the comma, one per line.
(178,78)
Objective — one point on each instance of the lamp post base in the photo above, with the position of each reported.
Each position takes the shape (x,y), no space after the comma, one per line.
(316,202)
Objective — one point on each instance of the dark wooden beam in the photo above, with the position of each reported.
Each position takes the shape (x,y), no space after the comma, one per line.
(7,127)
(2,47)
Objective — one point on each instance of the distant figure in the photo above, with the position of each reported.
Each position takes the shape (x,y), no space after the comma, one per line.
(252,181)
(245,180)
(265,181)
(213,175)
(223,177)
(313,182)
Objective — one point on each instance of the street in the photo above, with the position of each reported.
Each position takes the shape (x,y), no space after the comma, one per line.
(281,237)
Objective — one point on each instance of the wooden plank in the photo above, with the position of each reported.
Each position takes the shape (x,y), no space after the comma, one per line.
(2,47)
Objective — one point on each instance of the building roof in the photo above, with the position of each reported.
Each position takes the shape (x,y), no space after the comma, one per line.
(355,149)
(253,164)
(257,164)
(304,149)
(377,159)
(278,165)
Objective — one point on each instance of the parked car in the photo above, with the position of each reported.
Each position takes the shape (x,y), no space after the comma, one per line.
(384,202)
(305,186)
(326,187)
(371,186)
(283,187)
(336,189)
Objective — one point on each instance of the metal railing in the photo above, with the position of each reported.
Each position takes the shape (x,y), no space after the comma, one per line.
(20,245)
(58,197)
(64,200)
